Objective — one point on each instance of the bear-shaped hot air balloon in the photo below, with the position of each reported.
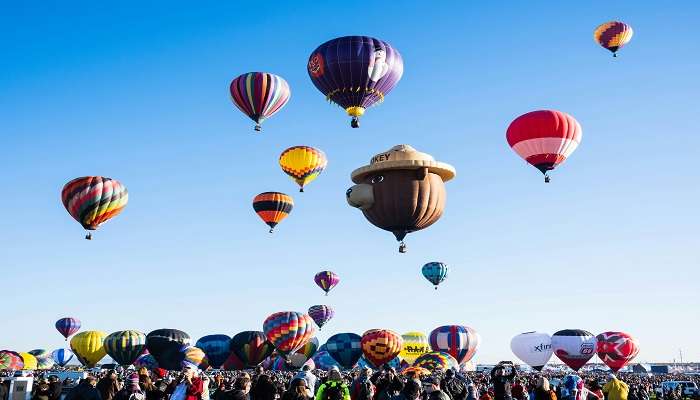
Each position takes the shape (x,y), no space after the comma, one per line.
(401,190)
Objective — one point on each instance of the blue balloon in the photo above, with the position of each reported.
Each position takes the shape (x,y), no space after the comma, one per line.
(62,356)
(216,347)
(345,348)
(324,361)
(435,272)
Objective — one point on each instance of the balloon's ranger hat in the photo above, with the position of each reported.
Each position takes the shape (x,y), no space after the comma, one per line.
(403,156)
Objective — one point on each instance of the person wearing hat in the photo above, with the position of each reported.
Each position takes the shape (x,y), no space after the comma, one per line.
(388,383)
(616,389)
(334,388)
(431,385)
(131,390)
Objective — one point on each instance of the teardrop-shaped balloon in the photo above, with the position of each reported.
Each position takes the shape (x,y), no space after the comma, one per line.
(68,326)
(415,344)
(165,346)
(533,348)
(303,164)
(435,272)
(345,348)
(321,314)
(574,347)
(61,356)
(326,280)
(616,349)
(461,342)
(613,35)
(259,95)
(355,72)
(379,346)
(88,346)
(216,347)
(272,207)
(30,362)
(92,200)
(251,348)
(288,330)
(125,346)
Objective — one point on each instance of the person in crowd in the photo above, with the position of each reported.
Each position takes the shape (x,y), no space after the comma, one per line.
(518,390)
(387,382)
(454,387)
(41,390)
(411,391)
(4,390)
(431,386)
(615,389)
(334,388)
(595,391)
(131,390)
(109,385)
(265,388)
(86,390)
(362,387)
(189,386)
(55,387)
(543,391)
(298,390)
(502,380)
(241,388)
(307,376)
(472,392)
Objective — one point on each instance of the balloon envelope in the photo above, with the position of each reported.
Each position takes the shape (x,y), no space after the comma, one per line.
(259,95)
(125,346)
(67,326)
(288,330)
(435,272)
(616,349)
(379,346)
(345,348)
(165,346)
(461,342)
(30,362)
(273,207)
(93,200)
(88,346)
(326,280)
(146,361)
(436,360)
(10,360)
(324,361)
(216,347)
(415,344)
(250,348)
(303,164)
(321,314)
(613,35)
(62,356)
(533,348)
(574,347)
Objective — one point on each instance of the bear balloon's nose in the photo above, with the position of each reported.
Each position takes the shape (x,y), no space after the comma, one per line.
(360,196)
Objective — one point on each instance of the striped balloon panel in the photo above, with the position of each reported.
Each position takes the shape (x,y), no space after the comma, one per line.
(303,163)
(30,362)
(461,342)
(146,361)
(326,280)
(125,346)
(435,272)
(321,314)
(195,356)
(67,326)
(613,35)
(345,348)
(92,200)
(10,360)
(88,346)
(272,207)
(62,356)
(436,360)
(544,138)
(309,348)
(288,330)
(380,346)
(259,95)
(251,348)
(355,71)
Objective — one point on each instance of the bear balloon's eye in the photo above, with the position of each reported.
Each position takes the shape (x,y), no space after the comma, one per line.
(377,179)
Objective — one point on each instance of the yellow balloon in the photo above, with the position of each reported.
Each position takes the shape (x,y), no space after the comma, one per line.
(88,347)
(30,362)
(415,344)
(303,164)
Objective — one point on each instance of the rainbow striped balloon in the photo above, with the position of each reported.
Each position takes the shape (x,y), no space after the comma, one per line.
(92,200)
(613,35)
(259,95)
(288,331)
(436,360)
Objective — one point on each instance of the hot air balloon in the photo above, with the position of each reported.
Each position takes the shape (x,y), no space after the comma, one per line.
(43,358)
(251,348)
(613,35)
(355,72)
(283,364)
(62,356)
(216,347)
(303,164)
(165,346)
(461,342)
(574,347)
(616,349)
(88,346)
(288,330)
(326,280)
(259,95)
(380,346)
(30,362)
(401,191)
(415,344)
(324,361)
(345,348)
(533,348)
(146,361)
(92,200)
(309,348)
(125,346)
(436,360)
(544,138)
(435,272)
(68,326)
(321,314)
(10,360)
(233,363)
(419,372)
(272,207)
(192,355)
(40,353)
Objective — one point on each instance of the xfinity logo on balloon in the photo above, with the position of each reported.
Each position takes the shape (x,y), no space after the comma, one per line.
(543,347)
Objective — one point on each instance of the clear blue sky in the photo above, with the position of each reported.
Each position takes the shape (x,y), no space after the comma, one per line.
(139,92)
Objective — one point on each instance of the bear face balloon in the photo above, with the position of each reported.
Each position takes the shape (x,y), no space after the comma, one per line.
(401,190)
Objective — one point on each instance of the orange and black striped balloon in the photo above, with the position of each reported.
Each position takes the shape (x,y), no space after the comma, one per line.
(613,35)
(272,207)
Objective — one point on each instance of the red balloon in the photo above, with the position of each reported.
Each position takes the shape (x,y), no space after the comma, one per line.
(544,138)
(380,346)
(616,349)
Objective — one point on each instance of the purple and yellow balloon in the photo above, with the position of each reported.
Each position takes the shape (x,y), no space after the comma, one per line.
(326,280)
(321,314)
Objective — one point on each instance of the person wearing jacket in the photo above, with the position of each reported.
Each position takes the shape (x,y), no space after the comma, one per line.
(543,390)
(188,387)
(432,388)
(502,382)
(453,386)
(108,385)
(334,383)
(362,387)
(298,390)
(131,390)
(387,383)
(56,387)
(85,390)
(615,389)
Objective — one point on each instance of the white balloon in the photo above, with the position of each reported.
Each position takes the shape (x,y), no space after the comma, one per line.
(533,348)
